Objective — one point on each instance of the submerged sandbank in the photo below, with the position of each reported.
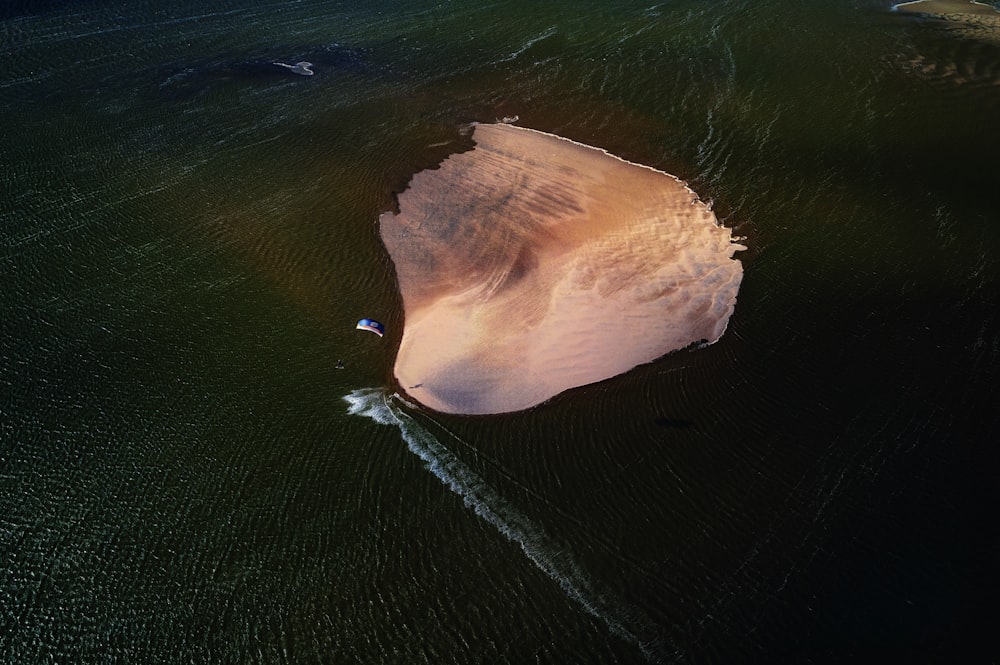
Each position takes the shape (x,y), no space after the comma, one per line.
(971,58)
(533,264)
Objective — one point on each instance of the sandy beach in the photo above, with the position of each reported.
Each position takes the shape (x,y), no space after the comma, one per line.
(533,264)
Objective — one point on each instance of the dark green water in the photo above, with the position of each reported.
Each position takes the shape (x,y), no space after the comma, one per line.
(188,235)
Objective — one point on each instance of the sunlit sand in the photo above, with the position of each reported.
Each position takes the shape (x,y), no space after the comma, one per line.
(532,264)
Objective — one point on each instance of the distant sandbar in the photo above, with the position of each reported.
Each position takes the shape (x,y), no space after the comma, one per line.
(946,7)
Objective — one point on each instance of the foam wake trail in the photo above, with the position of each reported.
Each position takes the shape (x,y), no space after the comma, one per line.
(624,621)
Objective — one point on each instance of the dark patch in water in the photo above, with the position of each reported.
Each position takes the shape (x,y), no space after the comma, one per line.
(19,8)
(673,423)
(192,79)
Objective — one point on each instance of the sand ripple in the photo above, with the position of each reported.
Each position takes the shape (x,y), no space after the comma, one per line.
(533,264)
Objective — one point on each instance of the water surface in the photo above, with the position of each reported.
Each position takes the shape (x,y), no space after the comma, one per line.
(188,234)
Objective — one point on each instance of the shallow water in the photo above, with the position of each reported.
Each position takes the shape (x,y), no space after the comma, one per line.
(188,236)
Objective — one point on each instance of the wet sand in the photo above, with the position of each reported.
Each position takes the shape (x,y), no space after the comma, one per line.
(532,264)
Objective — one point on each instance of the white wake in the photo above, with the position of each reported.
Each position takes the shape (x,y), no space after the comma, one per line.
(485,502)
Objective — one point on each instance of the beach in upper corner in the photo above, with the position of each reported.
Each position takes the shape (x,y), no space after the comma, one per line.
(946,7)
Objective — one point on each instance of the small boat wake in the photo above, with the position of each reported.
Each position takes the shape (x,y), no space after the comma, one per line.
(301,68)
(624,621)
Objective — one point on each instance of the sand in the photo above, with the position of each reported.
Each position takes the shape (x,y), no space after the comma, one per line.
(947,8)
(532,264)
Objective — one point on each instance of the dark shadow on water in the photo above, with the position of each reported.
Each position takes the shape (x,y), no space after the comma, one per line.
(673,423)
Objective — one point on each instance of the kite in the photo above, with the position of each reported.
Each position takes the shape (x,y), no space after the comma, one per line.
(371,325)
